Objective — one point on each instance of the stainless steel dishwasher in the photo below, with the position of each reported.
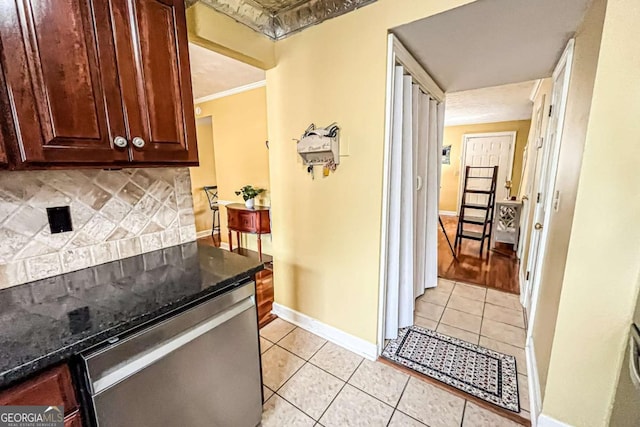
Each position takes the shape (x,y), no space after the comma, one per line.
(198,368)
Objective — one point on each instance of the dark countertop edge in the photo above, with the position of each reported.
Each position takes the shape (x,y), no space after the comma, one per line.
(28,369)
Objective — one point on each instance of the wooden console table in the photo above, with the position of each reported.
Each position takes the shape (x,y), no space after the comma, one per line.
(241,219)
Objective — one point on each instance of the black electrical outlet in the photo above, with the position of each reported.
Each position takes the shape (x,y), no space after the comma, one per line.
(59,219)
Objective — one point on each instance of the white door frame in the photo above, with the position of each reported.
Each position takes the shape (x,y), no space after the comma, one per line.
(396,54)
(548,183)
(545,186)
(463,157)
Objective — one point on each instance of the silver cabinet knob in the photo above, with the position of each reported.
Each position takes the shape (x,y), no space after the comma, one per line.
(120,141)
(138,142)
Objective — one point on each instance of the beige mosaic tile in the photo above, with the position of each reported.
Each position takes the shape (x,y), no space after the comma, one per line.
(435,296)
(503,332)
(467,305)
(503,299)
(265,345)
(469,291)
(475,416)
(277,412)
(428,310)
(276,330)
(266,393)
(278,365)
(355,408)
(311,389)
(336,360)
(461,334)
(302,343)
(380,380)
(424,322)
(445,285)
(523,392)
(403,420)
(462,320)
(504,315)
(112,215)
(431,405)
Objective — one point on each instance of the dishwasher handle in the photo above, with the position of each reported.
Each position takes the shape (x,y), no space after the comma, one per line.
(139,362)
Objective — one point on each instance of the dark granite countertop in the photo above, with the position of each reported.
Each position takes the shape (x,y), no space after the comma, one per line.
(51,320)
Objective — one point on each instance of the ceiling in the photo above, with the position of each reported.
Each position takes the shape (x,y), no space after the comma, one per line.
(489,105)
(212,72)
(493,42)
(278,19)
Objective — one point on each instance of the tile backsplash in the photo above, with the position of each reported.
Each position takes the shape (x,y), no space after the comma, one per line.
(115,215)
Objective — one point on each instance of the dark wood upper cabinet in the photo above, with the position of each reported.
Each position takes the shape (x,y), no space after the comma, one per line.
(157,87)
(98,82)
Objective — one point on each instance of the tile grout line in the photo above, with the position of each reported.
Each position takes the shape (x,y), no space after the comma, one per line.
(464,410)
(312,364)
(340,391)
(395,408)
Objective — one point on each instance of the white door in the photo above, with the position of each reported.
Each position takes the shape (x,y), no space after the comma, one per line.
(486,149)
(544,198)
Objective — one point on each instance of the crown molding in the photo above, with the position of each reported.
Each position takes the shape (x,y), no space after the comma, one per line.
(230,92)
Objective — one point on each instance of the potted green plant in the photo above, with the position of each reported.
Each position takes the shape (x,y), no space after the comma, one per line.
(249,195)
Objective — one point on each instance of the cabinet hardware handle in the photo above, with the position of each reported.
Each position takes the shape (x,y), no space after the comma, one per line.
(538,226)
(120,141)
(138,142)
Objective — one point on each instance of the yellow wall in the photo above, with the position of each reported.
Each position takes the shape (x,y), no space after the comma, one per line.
(205,174)
(585,59)
(224,35)
(241,156)
(327,231)
(600,285)
(451,173)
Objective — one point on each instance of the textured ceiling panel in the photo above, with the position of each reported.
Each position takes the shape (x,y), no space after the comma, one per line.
(213,73)
(489,105)
(279,18)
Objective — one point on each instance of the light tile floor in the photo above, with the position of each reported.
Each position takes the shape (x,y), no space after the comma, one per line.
(312,382)
(479,315)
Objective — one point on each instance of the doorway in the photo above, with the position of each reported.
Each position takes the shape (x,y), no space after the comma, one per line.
(489,149)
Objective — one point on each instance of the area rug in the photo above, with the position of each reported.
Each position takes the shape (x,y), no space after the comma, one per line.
(479,371)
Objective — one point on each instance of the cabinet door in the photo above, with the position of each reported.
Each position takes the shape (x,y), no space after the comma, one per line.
(3,154)
(59,63)
(153,63)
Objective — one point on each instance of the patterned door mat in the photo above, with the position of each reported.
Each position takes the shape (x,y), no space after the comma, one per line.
(483,373)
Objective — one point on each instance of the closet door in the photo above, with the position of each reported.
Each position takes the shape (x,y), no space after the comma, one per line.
(59,65)
(153,64)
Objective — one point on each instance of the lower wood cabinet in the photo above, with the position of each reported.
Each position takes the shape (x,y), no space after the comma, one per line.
(51,388)
(73,420)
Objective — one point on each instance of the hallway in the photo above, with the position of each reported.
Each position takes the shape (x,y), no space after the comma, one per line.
(497,269)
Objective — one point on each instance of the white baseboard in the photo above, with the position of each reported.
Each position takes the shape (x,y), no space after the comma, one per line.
(336,336)
(535,405)
(203,233)
(521,280)
(448,213)
(547,421)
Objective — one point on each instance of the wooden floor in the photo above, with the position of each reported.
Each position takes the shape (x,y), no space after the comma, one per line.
(264,281)
(497,268)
